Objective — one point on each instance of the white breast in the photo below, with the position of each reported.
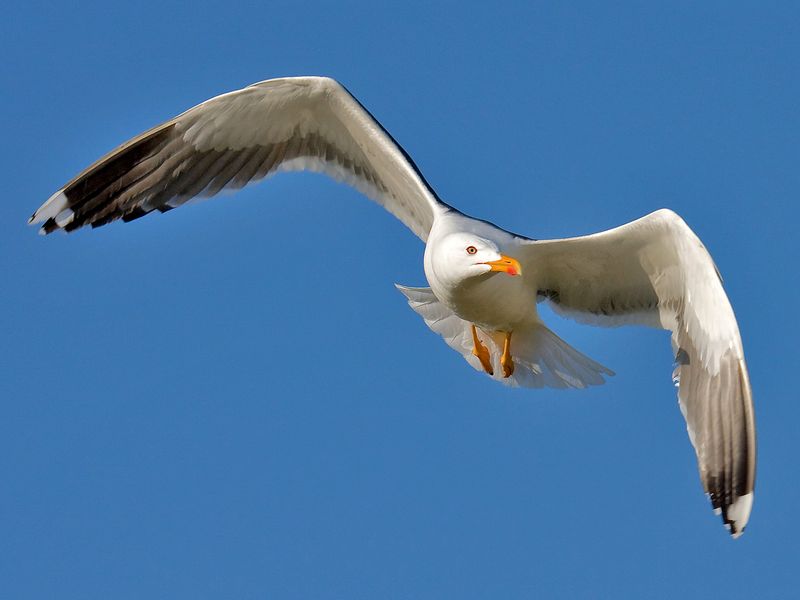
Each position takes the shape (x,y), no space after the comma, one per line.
(494,302)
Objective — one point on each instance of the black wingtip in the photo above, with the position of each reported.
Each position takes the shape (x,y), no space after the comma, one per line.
(49,226)
(136,213)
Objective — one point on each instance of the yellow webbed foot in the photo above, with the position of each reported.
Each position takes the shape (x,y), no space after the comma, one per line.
(505,359)
(482,352)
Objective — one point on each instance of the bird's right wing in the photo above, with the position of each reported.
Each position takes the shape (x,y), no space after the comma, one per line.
(290,124)
(655,271)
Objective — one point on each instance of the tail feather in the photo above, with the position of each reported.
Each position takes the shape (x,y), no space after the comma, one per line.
(442,320)
(541,358)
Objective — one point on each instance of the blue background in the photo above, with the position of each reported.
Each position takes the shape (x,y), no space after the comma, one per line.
(188,414)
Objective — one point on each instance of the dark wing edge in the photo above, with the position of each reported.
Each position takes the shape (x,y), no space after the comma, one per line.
(96,195)
(167,165)
(655,272)
(718,409)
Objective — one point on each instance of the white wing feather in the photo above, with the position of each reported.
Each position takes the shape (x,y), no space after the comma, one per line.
(290,124)
(655,271)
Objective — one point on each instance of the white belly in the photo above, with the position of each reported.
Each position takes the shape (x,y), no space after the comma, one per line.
(496,302)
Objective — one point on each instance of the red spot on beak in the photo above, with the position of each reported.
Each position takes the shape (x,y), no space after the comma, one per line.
(506,264)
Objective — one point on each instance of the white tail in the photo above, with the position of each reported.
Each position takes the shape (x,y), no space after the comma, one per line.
(541,358)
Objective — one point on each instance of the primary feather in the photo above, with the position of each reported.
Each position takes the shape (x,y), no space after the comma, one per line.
(290,124)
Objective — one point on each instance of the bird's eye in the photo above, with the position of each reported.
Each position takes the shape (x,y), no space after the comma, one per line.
(471,249)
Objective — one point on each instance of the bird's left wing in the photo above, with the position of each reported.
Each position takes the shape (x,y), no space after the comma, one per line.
(655,271)
(290,124)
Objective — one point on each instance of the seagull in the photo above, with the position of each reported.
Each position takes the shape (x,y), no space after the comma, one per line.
(485,282)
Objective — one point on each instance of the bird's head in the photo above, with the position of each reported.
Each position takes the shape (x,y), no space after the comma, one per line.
(464,255)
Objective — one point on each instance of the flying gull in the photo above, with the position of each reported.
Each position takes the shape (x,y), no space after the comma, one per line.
(485,282)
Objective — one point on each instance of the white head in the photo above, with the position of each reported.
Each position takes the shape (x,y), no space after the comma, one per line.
(460,256)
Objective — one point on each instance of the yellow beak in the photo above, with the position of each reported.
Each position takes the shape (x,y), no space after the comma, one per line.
(506,264)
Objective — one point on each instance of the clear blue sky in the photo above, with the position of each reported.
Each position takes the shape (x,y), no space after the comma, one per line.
(184,417)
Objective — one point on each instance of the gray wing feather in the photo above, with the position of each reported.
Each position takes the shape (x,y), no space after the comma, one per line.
(307,123)
(656,272)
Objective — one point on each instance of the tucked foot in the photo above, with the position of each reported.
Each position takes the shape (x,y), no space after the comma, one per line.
(505,360)
(482,352)
(508,367)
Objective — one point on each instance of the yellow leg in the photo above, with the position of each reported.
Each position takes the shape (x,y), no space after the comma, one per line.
(505,359)
(481,352)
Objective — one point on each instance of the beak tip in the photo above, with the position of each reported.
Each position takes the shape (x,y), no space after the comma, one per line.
(506,264)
